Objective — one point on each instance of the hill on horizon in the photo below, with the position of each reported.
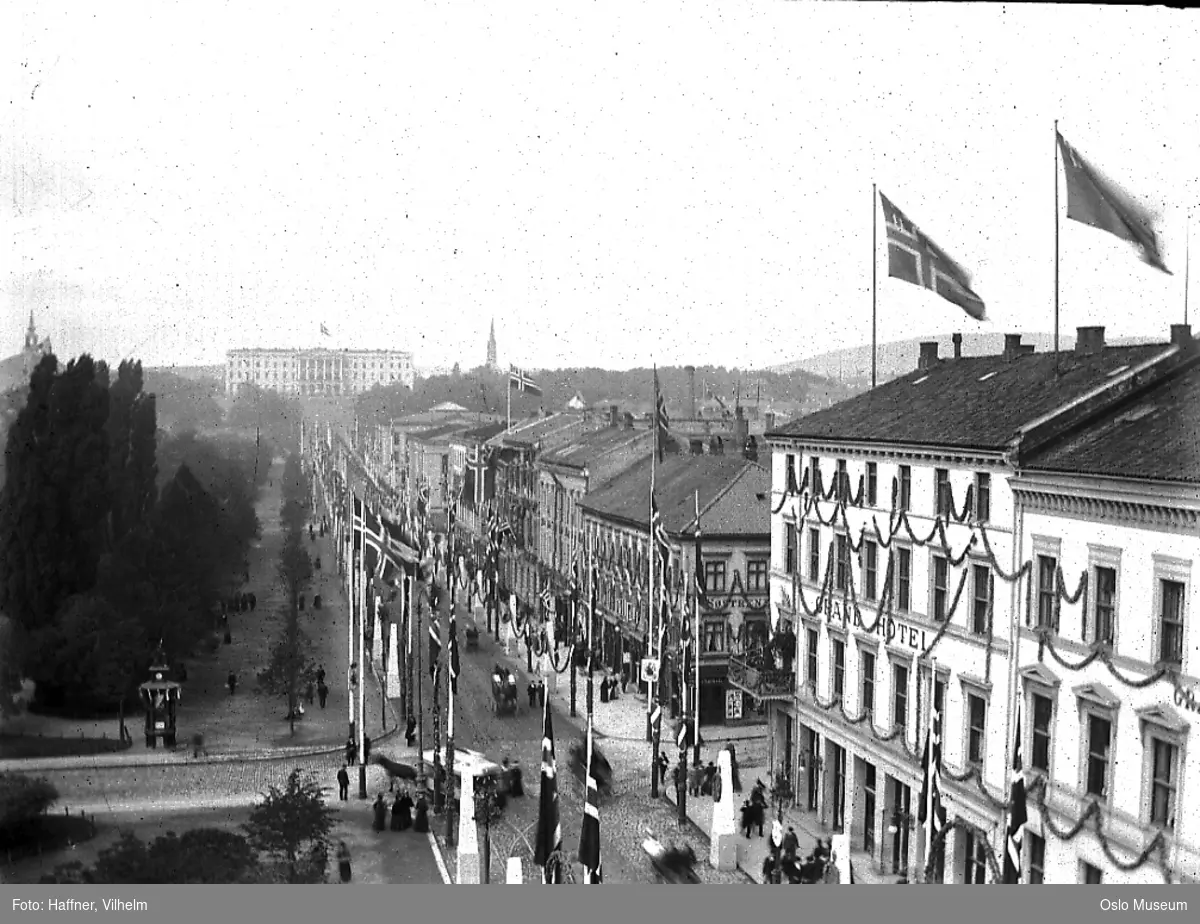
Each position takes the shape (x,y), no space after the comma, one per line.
(851,366)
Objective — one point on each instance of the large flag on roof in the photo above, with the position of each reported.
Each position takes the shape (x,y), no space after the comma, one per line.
(913,257)
(518,379)
(1093,200)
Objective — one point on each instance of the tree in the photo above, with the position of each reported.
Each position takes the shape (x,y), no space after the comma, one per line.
(23,803)
(294,823)
(207,856)
(291,661)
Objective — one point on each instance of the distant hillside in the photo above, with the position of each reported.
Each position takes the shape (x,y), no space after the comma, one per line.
(192,372)
(851,367)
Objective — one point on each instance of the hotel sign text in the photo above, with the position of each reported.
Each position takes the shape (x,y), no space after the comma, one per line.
(891,630)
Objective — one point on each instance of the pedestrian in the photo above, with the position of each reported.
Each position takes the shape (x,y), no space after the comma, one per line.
(198,745)
(366,749)
(410,730)
(395,826)
(380,811)
(351,752)
(663,765)
(532,691)
(232,683)
(695,780)
(406,808)
(322,693)
(541,693)
(421,821)
(253,602)
(791,844)
(733,765)
(321,674)
(710,774)
(310,693)
(604,690)
(343,859)
(516,786)
(343,779)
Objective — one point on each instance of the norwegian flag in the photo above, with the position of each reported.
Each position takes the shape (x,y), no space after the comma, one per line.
(589,838)
(454,663)
(931,814)
(662,423)
(522,382)
(549,826)
(662,541)
(435,634)
(1018,815)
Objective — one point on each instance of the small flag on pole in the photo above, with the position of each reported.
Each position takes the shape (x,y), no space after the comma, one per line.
(1018,814)
(454,663)
(325,331)
(1094,201)
(522,382)
(662,423)
(914,258)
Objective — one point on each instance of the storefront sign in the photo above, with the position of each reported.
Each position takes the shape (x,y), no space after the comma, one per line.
(1186,698)
(891,630)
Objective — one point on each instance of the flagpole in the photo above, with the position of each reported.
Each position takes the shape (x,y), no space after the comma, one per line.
(362,660)
(650,736)
(348,555)
(932,768)
(508,396)
(874,271)
(1187,246)
(1056,364)
(696,650)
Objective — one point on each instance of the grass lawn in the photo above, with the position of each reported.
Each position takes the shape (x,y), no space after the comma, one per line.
(18,747)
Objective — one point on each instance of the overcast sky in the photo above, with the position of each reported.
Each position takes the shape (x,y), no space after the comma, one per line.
(616,183)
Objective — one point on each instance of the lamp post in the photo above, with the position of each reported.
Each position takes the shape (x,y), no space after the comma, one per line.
(487,808)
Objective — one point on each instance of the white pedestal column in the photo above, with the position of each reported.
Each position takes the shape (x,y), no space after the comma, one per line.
(723,836)
(468,834)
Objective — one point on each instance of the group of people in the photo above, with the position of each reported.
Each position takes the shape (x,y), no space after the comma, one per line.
(537,693)
(401,812)
(703,781)
(352,750)
(319,688)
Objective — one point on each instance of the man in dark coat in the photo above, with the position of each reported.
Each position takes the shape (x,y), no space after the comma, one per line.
(351,752)
(322,693)
(421,821)
(232,682)
(380,810)
(343,779)
(410,730)
(532,691)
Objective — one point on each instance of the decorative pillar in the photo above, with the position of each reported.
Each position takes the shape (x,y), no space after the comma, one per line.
(723,835)
(468,833)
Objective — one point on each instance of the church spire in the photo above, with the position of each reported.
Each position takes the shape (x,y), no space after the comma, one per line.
(31,341)
(491,347)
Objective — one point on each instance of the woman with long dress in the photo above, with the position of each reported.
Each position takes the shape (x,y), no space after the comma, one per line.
(380,822)
(396,813)
(343,858)
(406,808)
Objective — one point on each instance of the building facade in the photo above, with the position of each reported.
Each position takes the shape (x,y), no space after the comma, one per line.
(725,491)
(1108,678)
(896,563)
(318,372)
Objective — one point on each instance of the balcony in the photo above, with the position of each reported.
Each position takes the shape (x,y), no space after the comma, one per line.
(755,674)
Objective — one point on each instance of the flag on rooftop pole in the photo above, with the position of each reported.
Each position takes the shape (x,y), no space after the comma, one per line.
(914,258)
(517,378)
(589,838)
(549,828)
(325,331)
(662,423)
(1018,814)
(1095,201)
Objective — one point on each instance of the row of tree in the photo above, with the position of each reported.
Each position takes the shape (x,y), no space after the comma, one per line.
(717,391)
(114,539)
(291,666)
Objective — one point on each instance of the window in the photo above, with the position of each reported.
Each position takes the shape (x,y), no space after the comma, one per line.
(756,574)
(1037,857)
(843,481)
(814,463)
(1164,780)
(843,561)
(1047,590)
(1170,622)
(976,728)
(905,486)
(1043,721)
(789,475)
(789,547)
(941,577)
(974,859)
(810,677)
(714,636)
(868,681)
(839,668)
(814,555)
(714,576)
(1104,611)
(1090,875)
(1099,745)
(981,603)
(870,569)
(983,497)
(872,484)
(941,492)
(899,696)
(903,580)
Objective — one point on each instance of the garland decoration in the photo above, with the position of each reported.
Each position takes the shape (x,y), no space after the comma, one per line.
(978,833)
(1100,651)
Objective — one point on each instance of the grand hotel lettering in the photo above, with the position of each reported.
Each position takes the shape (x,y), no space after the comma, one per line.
(892,631)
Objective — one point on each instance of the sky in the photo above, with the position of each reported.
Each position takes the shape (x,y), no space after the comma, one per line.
(616,184)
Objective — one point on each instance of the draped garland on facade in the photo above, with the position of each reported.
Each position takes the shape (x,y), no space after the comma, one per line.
(897,521)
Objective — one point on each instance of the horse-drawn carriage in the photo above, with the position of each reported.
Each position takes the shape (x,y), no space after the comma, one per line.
(504,691)
(471,632)
(674,865)
(601,768)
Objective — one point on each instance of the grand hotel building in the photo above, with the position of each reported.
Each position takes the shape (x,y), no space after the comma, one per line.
(320,372)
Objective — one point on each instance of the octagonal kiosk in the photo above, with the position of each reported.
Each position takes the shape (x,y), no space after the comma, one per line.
(160,697)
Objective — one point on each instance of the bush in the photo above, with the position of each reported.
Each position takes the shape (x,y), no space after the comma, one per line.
(205,856)
(23,803)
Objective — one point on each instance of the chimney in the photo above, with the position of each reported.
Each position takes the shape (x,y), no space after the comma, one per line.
(1181,334)
(628,421)
(1089,340)
(1012,346)
(691,371)
(750,450)
(769,422)
(696,447)
(614,416)
(957,338)
(928,358)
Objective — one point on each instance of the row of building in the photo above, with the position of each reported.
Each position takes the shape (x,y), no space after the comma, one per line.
(1010,537)
(324,373)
